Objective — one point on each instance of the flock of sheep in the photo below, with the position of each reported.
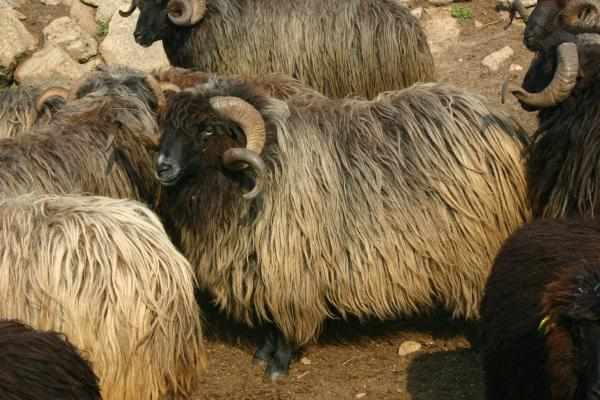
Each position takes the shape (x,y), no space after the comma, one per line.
(266,177)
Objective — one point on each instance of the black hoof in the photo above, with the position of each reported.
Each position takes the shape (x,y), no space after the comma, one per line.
(279,366)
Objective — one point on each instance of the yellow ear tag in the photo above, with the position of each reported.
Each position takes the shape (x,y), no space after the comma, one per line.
(546,325)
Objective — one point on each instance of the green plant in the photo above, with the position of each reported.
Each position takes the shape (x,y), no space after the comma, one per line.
(102,29)
(462,14)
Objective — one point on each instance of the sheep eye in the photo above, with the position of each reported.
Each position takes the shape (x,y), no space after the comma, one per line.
(208,133)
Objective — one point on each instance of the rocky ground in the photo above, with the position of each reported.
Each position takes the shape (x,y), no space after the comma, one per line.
(53,42)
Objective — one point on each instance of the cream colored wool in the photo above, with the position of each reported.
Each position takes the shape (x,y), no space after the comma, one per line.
(104,272)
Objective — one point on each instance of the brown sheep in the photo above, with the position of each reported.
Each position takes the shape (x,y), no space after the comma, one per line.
(105,273)
(369,208)
(540,315)
(339,47)
(36,365)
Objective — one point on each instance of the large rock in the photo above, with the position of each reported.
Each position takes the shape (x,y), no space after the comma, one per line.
(12,3)
(93,3)
(50,66)
(15,41)
(120,48)
(84,16)
(66,34)
(107,9)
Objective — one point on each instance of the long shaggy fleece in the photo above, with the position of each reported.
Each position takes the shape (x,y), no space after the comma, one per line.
(104,272)
(372,208)
(89,146)
(17,110)
(36,365)
(339,47)
(564,158)
(547,268)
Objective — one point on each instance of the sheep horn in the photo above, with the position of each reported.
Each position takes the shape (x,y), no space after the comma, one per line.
(48,93)
(253,126)
(157,90)
(234,156)
(516,6)
(130,11)
(561,86)
(169,87)
(188,12)
(571,15)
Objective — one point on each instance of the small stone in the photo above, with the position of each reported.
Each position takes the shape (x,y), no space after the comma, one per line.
(515,67)
(497,58)
(408,347)
(360,395)
(305,361)
(50,66)
(417,12)
(478,24)
(66,34)
(51,2)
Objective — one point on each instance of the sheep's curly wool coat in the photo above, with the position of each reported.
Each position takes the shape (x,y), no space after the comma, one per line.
(371,208)
(105,273)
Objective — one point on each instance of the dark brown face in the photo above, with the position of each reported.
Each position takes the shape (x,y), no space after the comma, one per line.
(189,126)
(153,23)
(543,22)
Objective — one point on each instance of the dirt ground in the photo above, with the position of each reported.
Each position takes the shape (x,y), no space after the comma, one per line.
(354,361)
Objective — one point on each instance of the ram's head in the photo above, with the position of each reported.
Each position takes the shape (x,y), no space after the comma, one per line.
(159,18)
(567,59)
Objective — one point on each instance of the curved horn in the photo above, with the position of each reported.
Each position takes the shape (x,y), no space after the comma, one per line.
(48,93)
(571,16)
(186,12)
(157,90)
(565,78)
(253,126)
(516,6)
(232,157)
(169,87)
(129,11)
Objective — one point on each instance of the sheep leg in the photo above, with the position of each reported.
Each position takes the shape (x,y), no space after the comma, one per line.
(279,366)
(264,354)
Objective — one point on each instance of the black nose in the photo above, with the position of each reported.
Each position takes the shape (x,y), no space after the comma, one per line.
(164,168)
(138,36)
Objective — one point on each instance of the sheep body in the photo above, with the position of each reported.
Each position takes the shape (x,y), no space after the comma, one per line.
(371,208)
(339,47)
(548,268)
(104,272)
